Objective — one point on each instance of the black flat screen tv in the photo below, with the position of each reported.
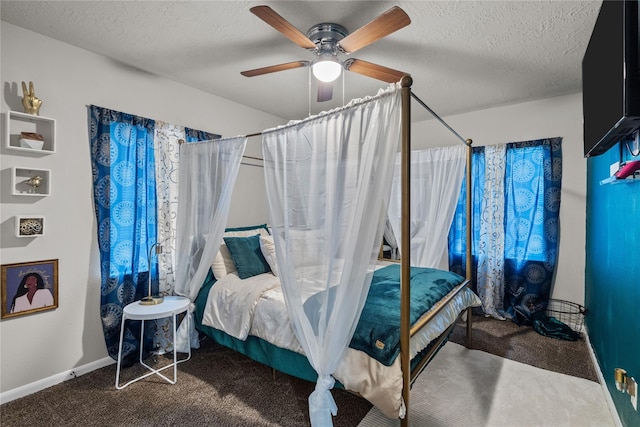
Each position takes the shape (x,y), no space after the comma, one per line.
(611,78)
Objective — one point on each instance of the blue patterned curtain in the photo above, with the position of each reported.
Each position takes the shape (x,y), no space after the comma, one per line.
(194,135)
(532,205)
(457,233)
(533,181)
(125,203)
(128,204)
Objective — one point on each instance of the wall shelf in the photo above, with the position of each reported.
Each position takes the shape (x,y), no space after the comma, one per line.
(612,180)
(23,180)
(16,122)
(29,225)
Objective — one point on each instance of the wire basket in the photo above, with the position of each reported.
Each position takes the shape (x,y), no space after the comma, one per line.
(567,312)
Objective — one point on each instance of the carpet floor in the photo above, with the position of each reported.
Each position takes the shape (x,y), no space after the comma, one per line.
(221,388)
(523,344)
(217,387)
(462,387)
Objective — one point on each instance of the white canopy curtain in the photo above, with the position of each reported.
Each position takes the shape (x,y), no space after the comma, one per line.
(328,180)
(207,175)
(436,179)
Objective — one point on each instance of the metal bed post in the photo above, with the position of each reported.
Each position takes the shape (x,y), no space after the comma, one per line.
(469,240)
(405,259)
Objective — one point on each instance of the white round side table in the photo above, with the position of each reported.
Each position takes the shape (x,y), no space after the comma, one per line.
(170,307)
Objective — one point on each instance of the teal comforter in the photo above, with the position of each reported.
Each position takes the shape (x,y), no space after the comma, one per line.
(378,331)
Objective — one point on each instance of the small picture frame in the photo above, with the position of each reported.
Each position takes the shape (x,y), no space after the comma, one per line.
(29,287)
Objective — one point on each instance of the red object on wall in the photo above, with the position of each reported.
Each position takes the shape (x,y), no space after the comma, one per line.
(627,169)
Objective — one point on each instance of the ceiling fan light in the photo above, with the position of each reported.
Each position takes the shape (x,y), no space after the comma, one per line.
(326,70)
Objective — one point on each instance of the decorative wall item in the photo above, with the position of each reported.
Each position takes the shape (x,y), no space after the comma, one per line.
(28,133)
(31,140)
(30,103)
(29,287)
(29,226)
(30,182)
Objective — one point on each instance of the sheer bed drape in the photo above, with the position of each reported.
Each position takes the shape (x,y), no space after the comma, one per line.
(328,180)
(208,172)
(436,179)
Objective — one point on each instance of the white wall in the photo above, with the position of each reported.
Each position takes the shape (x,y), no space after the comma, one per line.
(67,79)
(560,116)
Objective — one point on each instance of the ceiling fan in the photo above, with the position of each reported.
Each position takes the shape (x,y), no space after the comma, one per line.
(327,41)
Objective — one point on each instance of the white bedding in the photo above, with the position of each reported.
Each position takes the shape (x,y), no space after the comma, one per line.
(266,317)
(232,301)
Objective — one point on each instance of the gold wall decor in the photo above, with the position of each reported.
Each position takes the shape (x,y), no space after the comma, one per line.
(30,102)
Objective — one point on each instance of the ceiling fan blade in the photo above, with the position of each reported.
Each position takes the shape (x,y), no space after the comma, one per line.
(272,18)
(325,91)
(275,68)
(385,24)
(374,71)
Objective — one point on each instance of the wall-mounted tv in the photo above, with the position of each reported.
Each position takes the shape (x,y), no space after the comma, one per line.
(611,78)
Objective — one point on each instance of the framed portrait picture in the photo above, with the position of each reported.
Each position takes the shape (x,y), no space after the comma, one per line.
(29,287)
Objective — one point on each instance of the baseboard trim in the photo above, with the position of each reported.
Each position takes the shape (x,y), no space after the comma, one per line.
(603,383)
(36,386)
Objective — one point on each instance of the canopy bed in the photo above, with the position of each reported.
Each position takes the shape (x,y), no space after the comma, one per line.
(302,294)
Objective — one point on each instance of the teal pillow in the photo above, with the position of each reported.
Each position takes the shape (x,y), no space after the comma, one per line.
(247,255)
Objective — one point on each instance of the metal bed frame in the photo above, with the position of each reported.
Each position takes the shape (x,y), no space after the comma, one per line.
(406,330)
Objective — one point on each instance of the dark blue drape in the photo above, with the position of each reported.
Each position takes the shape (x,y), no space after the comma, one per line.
(533,176)
(124,189)
(533,179)
(194,135)
(458,231)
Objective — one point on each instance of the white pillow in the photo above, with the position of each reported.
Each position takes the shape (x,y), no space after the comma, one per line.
(223,262)
(268,249)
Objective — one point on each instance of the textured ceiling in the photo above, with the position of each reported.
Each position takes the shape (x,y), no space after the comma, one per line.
(462,55)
